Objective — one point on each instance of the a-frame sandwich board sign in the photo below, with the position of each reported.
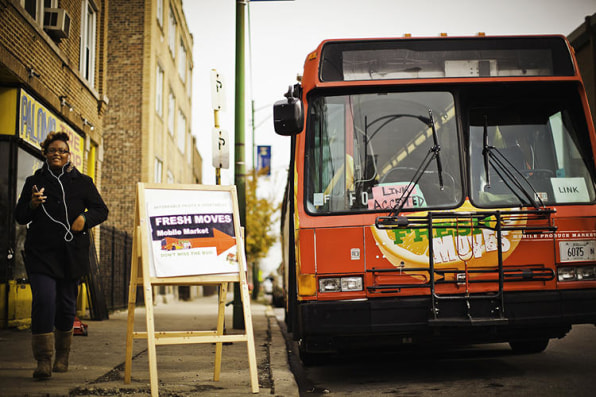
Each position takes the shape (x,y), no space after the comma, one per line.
(187,235)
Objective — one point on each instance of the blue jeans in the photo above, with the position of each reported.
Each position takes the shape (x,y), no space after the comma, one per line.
(54,303)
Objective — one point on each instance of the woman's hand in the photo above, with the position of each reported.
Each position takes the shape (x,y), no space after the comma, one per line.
(37,197)
(79,224)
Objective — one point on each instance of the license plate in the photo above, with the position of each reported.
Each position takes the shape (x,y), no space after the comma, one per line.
(577,251)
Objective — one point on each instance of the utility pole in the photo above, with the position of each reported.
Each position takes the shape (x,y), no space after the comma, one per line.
(239,155)
(239,149)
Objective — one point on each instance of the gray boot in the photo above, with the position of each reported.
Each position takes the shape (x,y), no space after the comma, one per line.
(43,349)
(63,340)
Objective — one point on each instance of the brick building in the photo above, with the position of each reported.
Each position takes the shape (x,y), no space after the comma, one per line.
(147,126)
(52,77)
(60,61)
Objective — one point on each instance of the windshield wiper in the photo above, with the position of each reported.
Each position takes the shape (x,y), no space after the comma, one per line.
(433,154)
(512,178)
(485,150)
(436,148)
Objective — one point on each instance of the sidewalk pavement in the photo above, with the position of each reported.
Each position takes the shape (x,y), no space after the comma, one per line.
(97,360)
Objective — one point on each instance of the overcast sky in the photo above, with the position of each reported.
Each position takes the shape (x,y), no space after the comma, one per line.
(282,33)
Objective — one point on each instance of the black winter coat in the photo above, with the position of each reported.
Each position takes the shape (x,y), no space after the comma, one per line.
(46,248)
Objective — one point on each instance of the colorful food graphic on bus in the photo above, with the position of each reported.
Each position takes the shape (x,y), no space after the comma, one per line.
(451,245)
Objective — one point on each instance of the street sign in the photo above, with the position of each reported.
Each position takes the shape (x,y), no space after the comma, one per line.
(264,160)
(218,98)
(220,148)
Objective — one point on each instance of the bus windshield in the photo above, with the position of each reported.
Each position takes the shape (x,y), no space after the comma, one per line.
(527,146)
(533,143)
(364,150)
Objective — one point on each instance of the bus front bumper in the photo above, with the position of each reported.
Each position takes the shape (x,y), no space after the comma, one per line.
(396,320)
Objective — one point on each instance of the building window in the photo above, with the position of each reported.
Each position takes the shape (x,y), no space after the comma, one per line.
(158,171)
(182,61)
(34,8)
(172,33)
(171,112)
(159,91)
(189,83)
(88,35)
(190,147)
(170,177)
(181,139)
(160,12)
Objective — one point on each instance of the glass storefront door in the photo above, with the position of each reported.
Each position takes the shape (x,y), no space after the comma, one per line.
(27,164)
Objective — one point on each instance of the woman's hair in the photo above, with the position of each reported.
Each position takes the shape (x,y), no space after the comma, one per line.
(52,137)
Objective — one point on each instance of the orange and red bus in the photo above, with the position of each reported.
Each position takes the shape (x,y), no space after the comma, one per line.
(439,190)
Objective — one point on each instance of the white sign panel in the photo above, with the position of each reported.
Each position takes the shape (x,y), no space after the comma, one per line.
(218,98)
(570,190)
(191,232)
(220,149)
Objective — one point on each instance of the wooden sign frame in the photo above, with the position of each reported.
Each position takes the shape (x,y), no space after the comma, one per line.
(141,274)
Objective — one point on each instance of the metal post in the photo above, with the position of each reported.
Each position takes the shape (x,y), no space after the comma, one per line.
(113,278)
(255,265)
(239,163)
(252,123)
(126,273)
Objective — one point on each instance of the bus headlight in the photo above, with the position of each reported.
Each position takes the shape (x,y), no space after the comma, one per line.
(351,283)
(340,284)
(566,273)
(586,273)
(329,284)
(576,273)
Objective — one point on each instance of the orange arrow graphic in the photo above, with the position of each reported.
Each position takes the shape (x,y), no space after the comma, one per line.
(220,240)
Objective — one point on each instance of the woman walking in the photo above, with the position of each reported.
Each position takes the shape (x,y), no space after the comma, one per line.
(59,205)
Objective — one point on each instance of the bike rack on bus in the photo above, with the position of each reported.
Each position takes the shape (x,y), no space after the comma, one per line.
(537,221)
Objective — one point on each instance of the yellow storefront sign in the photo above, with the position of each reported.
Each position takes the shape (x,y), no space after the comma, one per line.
(24,115)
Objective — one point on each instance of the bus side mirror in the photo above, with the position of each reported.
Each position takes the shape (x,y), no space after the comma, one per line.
(288,117)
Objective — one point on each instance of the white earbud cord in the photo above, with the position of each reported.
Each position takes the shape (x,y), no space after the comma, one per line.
(68,236)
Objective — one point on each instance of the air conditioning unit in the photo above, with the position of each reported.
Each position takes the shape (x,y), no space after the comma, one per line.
(56,22)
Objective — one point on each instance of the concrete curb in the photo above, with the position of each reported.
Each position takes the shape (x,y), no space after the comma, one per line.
(284,383)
